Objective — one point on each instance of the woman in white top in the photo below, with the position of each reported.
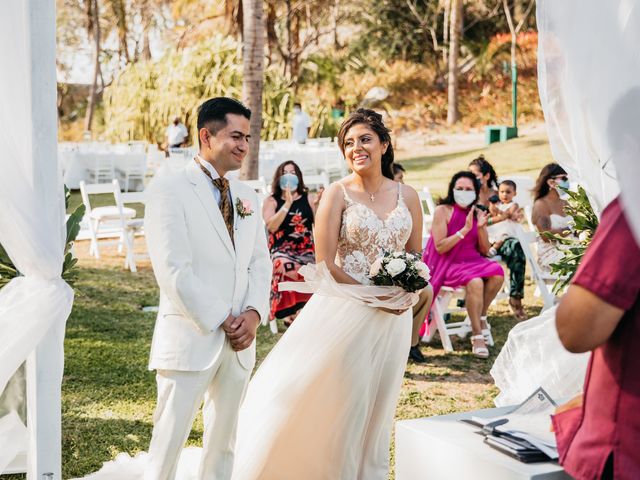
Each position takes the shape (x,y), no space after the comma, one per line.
(548,213)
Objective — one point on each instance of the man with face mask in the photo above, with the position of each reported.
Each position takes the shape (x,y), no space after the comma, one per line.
(300,124)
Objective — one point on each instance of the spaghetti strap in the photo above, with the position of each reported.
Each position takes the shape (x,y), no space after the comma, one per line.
(346,196)
(400,197)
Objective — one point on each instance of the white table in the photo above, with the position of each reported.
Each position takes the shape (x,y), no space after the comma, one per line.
(443,448)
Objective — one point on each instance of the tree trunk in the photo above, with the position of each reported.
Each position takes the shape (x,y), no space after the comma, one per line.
(445,31)
(335,15)
(253,79)
(518,11)
(94,28)
(453,114)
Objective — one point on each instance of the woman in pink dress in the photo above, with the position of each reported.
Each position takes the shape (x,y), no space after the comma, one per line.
(455,254)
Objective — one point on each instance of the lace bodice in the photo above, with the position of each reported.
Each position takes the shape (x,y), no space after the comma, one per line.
(364,235)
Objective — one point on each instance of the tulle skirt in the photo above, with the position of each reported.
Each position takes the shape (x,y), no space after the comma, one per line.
(322,404)
(533,357)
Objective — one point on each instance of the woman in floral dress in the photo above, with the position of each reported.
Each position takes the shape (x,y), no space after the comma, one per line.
(289,215)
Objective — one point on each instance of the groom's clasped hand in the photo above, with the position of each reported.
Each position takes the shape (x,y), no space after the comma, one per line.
(241,330)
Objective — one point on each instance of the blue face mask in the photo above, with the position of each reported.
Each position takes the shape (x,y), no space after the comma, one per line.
(289,180)
(563,184)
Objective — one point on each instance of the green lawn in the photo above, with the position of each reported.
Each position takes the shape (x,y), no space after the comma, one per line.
(108,395)
(521,156)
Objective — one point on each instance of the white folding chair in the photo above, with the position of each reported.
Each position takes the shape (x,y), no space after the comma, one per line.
(317,181)
(441,307)
(428,207)
(544,282)
(132,227)
(106,221)
(259,185)
(100,168)
(133,168)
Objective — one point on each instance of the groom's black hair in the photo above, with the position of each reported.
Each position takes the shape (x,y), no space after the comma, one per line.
(212,114)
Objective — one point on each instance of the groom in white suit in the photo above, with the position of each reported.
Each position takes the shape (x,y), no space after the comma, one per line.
(209,253)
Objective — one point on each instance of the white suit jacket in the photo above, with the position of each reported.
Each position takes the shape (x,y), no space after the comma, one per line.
(202,277)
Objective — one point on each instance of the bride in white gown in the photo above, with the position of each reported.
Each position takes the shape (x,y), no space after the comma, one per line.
(322,404)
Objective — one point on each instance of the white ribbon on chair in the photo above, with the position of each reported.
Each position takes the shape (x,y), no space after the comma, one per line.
(32,203)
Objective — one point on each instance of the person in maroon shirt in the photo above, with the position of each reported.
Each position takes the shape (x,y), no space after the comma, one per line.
(600,436)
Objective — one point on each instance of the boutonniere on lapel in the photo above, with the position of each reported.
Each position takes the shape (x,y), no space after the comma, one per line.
(243,208)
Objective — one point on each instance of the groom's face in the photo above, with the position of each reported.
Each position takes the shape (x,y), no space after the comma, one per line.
(230,145)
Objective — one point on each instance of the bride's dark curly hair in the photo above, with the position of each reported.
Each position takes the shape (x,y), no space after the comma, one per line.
(374,121)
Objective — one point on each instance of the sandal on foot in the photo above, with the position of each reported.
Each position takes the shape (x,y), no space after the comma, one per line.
(486,332)
(480,352)
(516,308)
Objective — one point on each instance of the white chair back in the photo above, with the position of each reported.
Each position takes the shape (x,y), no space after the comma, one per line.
(543,282)
(259,185)
(317,181)
(428,208)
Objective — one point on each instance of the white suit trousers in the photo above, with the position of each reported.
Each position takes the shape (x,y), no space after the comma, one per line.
(180,394)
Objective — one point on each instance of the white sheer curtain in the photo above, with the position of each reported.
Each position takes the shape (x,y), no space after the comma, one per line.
(31,200)
(589,82)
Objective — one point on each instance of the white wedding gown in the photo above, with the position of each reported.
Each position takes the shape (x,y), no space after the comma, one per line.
(321,405)
(533,357)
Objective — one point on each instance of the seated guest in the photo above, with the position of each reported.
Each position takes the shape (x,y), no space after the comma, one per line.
(503,214)
(398,173)
(598,438)
(455,254)
(288,214)
(510,250)
(548,214)
(487,179)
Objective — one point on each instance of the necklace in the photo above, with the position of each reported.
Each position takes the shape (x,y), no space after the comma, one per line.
(372,195)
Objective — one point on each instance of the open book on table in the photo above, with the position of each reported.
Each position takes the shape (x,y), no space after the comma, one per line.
(525,432)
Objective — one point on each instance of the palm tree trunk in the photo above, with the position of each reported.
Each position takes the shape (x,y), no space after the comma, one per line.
(94,27)
(253,71)
(453,114)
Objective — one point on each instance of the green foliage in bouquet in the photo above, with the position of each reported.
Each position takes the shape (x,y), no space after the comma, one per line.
(9,271)
(584,226)
(400,269)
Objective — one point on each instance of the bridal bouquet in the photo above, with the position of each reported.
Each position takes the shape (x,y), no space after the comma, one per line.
(400,269)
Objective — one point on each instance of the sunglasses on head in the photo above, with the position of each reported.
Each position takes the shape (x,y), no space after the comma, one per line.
(564,178)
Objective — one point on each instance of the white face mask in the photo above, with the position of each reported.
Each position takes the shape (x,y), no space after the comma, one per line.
(464,198)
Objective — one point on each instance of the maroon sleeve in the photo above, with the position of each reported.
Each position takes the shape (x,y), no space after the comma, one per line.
(611,266)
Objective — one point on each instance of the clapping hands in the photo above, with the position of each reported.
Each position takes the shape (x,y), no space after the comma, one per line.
(241,330)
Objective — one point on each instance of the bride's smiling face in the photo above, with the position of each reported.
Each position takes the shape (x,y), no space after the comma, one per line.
(363,149)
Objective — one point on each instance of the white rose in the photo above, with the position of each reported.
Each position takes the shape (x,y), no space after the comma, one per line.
(375,267)
(423,271)
(398,254)
(396,267)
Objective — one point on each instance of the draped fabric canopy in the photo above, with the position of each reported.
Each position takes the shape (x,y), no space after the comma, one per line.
(589,84)
(32,215)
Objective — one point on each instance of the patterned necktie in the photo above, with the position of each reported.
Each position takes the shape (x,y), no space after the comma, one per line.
(222,184)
